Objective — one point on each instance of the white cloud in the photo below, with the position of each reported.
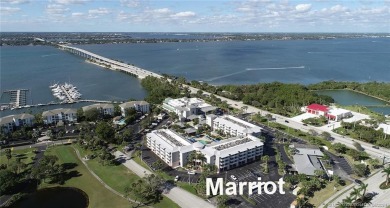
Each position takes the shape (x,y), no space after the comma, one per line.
(161,11)
(71,1)
(99,11)
(78,14)
(130,3)
(184,14)
(9,10)
(338,8)
(303,7)
(15,1)
(56,9)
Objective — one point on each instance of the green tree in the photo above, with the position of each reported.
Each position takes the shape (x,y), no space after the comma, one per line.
(105,131)
(38,120)
(325,135)
(363,187)
(8,154)
(355,193)
(8,180)
(80,115)
(386,170)
(222,201)
(360,169)
(340,148)
(265,159)
(117,110)
(92,114)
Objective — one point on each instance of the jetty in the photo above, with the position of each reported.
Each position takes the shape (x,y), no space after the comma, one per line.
(18,97)
(109,63)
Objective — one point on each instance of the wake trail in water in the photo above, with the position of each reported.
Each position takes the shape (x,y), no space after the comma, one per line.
(54,54)
(254,69)
(263,69)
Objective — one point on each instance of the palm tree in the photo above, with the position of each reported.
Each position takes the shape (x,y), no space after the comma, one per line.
(387,173)
(265,159)
(355,193)
(363,187)
(347,201)
(8,155)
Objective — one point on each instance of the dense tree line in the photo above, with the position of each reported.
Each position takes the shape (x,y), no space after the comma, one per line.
(280,98)
(378,89)
(364,133)
(159,89)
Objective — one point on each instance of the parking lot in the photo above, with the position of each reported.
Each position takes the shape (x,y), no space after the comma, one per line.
(251,173)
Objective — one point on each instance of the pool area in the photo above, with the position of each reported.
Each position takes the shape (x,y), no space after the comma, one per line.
(121,122)
(203,142)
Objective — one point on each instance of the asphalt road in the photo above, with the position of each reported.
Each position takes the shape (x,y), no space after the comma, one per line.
(378,153)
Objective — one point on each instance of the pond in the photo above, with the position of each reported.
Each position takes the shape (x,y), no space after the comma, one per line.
(348,97)
(57,197)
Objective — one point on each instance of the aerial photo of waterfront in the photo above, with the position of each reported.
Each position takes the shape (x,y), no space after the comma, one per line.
(211,104)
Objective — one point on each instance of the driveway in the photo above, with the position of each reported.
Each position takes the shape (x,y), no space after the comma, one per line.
(179,196)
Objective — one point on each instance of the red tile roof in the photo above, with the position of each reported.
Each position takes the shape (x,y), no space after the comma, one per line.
(318,107)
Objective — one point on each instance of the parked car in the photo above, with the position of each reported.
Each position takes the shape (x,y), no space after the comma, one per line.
(286,121)
(233,177)
(305,124)
(375,147)
(357,181)
(177,178)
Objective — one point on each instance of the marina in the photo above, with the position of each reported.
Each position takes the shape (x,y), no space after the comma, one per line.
(66,92)
(17,98)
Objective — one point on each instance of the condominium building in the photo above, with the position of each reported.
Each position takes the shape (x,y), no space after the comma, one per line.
(9,123)
(59,114)
(141,106)
(174,149)
(233,152)
(187,108)
(232,126)
(104,108)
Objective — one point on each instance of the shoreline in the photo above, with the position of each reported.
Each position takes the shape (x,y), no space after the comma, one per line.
(363,93)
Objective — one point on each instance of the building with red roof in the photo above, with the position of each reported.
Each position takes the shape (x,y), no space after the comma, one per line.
(317,109)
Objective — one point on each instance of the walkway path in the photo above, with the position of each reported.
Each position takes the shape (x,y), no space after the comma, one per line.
(178,195)
(102,182)
(382,198)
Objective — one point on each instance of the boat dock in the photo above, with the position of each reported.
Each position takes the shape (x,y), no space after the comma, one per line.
(70,99)
(18,97)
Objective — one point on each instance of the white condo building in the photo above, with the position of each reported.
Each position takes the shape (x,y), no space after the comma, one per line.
(174,149)
(8,123)
(104,108)
(59,114)
(232,126)
(141,106)
(187,108)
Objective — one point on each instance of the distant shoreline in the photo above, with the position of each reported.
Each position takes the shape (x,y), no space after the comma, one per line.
(363,93)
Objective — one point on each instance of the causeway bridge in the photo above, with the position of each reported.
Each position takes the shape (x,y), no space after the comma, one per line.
(109,63)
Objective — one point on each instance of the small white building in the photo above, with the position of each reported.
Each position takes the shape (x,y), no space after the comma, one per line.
(232,125)
(337,114)
(104,108)
(187,107)
(141,106)
(59,114)
(385,128)
(9,123)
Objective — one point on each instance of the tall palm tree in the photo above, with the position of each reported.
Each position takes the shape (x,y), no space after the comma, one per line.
(355,193)
(387,173)
(363,187)
(265,159)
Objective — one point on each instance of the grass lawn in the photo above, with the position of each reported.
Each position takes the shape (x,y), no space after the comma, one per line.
(188,187)
(140,162)
(118,177)
(325,193)
(98,195)
(25,155)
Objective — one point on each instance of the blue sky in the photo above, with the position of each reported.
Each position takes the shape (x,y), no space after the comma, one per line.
(195,15)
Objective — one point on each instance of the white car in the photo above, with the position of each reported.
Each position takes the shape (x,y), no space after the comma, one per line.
(176,178)
(233,177)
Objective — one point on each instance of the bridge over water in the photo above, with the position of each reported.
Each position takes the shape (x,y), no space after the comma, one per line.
(109,63)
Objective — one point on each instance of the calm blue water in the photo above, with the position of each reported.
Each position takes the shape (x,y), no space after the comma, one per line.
(249,62)
(347,97)
(238,62)
(37,67)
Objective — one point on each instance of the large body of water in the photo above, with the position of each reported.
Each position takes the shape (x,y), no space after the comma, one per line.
(236,62)
(37,67)
(250,62)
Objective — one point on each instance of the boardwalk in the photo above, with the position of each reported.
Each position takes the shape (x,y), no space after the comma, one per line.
(109,63)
